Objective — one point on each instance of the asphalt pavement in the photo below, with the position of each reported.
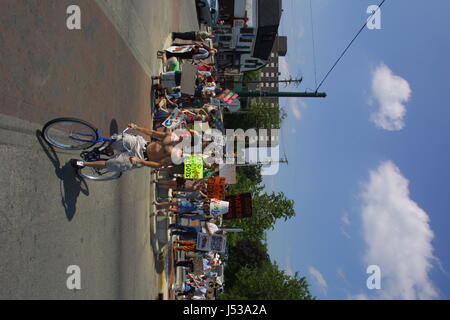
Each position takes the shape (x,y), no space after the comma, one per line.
(49,218)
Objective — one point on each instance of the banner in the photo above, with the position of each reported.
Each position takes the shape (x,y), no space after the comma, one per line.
(174,120)
(193,167)
(218,207)
(240,206)
(213,242)
(216,188)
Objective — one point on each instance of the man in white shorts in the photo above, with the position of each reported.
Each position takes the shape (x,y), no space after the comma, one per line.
(133,152)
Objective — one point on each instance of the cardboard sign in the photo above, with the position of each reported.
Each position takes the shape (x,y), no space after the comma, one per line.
(179,49)
(218,207)
(174,120)
(216,188)
(193,167)
(240,206)
(228,96)
(188,76)
(214,242)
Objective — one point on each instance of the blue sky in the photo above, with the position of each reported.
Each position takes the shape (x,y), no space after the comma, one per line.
(369,166)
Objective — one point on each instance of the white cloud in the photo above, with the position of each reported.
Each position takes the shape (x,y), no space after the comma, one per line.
(345,222)
(296,111)
(391,92)
(398,236)
(345,219)
(319,279)
(340,272)
(360,296)
(283,68)
(296,106)
(287,267)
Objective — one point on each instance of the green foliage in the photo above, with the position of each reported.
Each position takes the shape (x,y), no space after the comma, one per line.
(258,115)
(251,76)
(249,273)
(249,179)
(267,209)
(245,253)
(267,282)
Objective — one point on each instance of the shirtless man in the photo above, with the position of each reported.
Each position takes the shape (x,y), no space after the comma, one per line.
(135,151)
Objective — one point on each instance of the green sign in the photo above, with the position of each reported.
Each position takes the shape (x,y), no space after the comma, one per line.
(193,167)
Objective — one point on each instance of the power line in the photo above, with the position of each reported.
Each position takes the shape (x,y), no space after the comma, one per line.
(313,42)
(349,45)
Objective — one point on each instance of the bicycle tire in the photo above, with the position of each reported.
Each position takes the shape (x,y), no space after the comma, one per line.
(84,173)
(79,146)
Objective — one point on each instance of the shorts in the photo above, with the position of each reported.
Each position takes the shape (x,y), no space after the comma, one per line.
(180,183)
(186,206)
(128,146)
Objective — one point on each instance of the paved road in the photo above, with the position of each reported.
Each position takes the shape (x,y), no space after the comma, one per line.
(49,219)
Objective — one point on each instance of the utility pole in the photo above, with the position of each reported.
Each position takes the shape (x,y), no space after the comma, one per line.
(285,160)
(261,93)
(289,81)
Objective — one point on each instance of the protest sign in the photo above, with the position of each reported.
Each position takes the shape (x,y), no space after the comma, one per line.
(193,167)
(216,188)
(217,207)
(179,49)
(213,242)
(174,120)
(240,206)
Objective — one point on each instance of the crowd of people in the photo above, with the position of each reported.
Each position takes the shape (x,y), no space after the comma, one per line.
(190,199)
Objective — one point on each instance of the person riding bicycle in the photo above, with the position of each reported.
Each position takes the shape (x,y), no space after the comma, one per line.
(133,151)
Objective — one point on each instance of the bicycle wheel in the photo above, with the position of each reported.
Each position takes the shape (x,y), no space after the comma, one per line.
(98,174)
(70,134)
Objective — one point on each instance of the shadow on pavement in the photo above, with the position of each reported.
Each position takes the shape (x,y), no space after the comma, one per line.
(113,127)
(73,185)
(159,262)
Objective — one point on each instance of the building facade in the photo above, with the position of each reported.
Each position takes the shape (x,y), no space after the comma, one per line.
(270,73)
(244,46)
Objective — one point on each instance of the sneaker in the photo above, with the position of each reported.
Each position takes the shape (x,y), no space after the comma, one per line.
(77,164)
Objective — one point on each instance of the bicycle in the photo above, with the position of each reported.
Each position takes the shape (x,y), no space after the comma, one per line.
(76,134)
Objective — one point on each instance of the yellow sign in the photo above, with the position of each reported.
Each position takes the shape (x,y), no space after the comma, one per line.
(193,167)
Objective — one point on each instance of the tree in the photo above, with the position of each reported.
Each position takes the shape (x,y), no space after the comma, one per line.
(251,76)
(249,179)
(267,282)
(267,209)
(258,115)
(244,253)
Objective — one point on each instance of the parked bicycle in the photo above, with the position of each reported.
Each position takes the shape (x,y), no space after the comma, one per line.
(76,134)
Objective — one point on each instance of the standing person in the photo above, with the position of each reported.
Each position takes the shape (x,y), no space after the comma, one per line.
(186,246)
(192,195)
(190,232)
(183,207)
(133,150)
(181,184)
(189,52)
(192,35)
(187,232)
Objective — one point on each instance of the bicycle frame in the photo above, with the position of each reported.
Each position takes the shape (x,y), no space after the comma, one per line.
(100,138)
